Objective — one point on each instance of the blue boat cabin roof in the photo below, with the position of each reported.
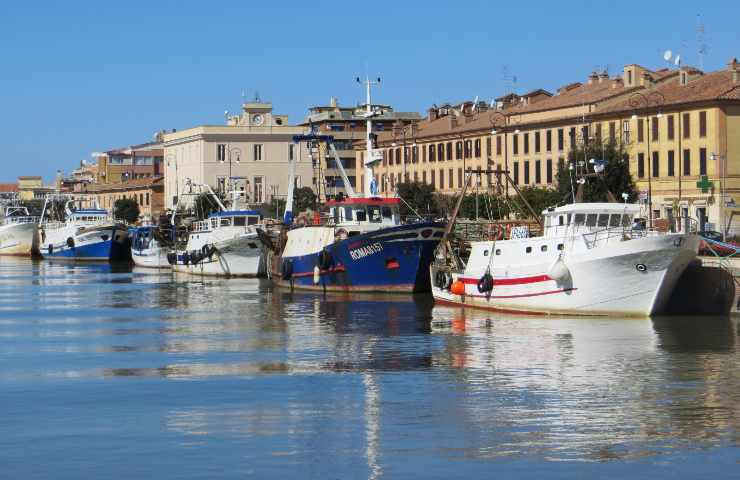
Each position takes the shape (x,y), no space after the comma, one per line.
(235,213)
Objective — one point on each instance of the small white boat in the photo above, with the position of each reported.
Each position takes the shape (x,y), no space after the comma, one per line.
(18,231)
(225,244)
(590,260)
(147,250)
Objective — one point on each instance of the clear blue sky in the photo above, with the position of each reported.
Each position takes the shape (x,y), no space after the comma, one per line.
(77,77)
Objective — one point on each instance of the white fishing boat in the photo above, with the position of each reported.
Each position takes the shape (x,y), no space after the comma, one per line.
(591,259)
(224,244)
(85,234)
(148,248)
(18,230)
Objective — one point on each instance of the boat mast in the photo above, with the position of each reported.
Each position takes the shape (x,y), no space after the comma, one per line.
(370,187)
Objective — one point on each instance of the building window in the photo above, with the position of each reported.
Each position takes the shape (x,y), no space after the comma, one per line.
(415,154)
(221,152)
(516,173)
(441,179)
(440,152)
(498,145)
(451,178)
(221,184)
(572,137)
(640,134)
(671,163)
(640,165)
(548,141)
(259,186)
(656,165)
(549,171)
(537,141)
(561,139)
(423,154)
(458,150)
(671,132)
(468,149)
(612,132)
(687,162)
(654,125)
(702,161)
(686,125)
(526,172)
(488,146)
(459,178)
(432,178)
(626,131)
(398,156)
(585,134)
(515,144)
(477,147)
(257,151)
(526,143)
(424,176)
(432,152)
(449,150)
(702,124)
(537,172)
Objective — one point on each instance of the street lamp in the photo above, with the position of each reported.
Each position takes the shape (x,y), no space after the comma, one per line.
(639,100)
(235,151)
(493,118)
(722,164)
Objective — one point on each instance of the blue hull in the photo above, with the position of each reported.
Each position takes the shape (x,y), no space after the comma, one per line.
(103,250)
(395,259)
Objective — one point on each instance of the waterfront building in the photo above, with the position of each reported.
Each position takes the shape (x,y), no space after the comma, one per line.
(148,192)
(679,127)
(251,153)
(130,163)
(347,125)
(31,187)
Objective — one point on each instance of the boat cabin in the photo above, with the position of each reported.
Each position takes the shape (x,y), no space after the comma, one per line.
(357,215)
(578,218)
(228,218)
(88,215)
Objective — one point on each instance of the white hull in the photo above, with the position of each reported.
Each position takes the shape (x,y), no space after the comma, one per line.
(235,257)
(150,258)
(606,280)
(18,239)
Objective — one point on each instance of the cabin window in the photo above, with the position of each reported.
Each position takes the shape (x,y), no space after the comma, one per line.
(626,220)
(253,220)
(485,253)
(614,220)
(347,214)
(560,220)
(240,221)
(214,223)
(591,219)
(569,217)
(498,251)
(374,213)
(603,219)
(561,246)
(335,214)
(543,248)
(580,218)
(225,222)
(387,212)
(360,215)
(529,250)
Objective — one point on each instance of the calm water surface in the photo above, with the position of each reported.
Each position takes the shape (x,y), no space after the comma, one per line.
(110,373)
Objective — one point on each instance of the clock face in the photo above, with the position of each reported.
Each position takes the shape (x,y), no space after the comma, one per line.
(257,119)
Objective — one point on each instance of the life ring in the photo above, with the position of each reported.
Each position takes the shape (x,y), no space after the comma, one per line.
(324,260)
(485,283)
(287,269)
(70,242)
(496,232)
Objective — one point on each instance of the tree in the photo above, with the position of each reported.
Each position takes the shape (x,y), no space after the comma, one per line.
(616,177)
(303,199)
(539,198)
(126,209)
(419,197)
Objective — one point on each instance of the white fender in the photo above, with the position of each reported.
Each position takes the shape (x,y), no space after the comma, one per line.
(558,271)
(316,275)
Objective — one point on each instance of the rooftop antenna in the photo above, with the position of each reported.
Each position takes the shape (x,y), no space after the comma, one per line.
(667,55)
(677,61)
(701,40)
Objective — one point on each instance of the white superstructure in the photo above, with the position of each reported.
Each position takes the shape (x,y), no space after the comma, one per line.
(592,258)
(18,231)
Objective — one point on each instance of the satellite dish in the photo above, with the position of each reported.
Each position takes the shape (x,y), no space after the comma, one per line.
(667,55)
(677,61)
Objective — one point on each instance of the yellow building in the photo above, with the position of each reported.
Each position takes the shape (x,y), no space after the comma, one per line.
(32,187)
(680,128)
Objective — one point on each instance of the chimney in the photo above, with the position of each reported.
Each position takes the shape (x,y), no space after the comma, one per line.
(433,114)
(734,67)
(453,120)
(593,78)
(333,102)
(617,82)
(683,76)
(603,76)
(647,79)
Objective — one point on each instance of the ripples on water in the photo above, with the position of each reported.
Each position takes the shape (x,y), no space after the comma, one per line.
(105,372)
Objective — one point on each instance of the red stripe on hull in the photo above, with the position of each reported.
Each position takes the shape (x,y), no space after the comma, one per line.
(450,303)
(509,281)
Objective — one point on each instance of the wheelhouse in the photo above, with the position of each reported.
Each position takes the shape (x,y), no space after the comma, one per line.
(89,216)
(228,218)
(365,211)
(588,217)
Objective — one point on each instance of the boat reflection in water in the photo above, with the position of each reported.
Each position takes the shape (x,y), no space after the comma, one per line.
(593,388)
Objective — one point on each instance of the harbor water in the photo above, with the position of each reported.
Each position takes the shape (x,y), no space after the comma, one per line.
(109,372)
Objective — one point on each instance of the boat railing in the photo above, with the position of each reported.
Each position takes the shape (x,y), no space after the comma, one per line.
(23,219)
(660,227)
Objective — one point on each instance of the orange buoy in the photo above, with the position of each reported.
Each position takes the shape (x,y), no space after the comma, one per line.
(457,288)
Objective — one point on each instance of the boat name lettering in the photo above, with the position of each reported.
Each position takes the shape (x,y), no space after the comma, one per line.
(365,251)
